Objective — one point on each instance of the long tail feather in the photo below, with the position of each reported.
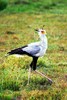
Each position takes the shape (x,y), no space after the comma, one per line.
(17,51)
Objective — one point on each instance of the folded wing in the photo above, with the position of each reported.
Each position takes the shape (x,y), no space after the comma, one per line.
(32,49)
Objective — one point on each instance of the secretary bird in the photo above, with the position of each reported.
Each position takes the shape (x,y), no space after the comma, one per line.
(34,50)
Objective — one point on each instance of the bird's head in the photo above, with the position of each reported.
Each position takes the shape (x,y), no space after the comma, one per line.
(40,31)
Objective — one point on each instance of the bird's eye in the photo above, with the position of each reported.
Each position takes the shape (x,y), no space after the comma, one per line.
(42,32)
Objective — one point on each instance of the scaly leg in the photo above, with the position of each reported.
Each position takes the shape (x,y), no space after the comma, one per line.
(29,74)
(43,75)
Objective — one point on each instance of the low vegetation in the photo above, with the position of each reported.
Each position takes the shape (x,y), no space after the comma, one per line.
(34,6)
(16,30)
(14,71)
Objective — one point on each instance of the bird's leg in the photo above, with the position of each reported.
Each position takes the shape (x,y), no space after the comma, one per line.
(43,75)
(29,74)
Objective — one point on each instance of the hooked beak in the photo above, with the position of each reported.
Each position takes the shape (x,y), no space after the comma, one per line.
(36,30)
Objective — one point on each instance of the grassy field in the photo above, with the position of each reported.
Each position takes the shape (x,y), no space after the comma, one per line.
(17,29)
(34,6)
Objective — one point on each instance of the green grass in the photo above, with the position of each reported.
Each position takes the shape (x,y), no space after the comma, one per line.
(17,24)
(14,71)
(33,6)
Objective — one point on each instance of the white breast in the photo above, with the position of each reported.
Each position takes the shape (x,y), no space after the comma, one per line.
(43,46)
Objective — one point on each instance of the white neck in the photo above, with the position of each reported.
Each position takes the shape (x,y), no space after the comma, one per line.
(43,40)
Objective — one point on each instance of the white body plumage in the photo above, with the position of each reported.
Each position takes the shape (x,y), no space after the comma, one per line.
(38,49)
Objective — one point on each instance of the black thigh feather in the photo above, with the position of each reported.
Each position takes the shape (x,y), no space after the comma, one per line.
(21,52)
(33,63)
